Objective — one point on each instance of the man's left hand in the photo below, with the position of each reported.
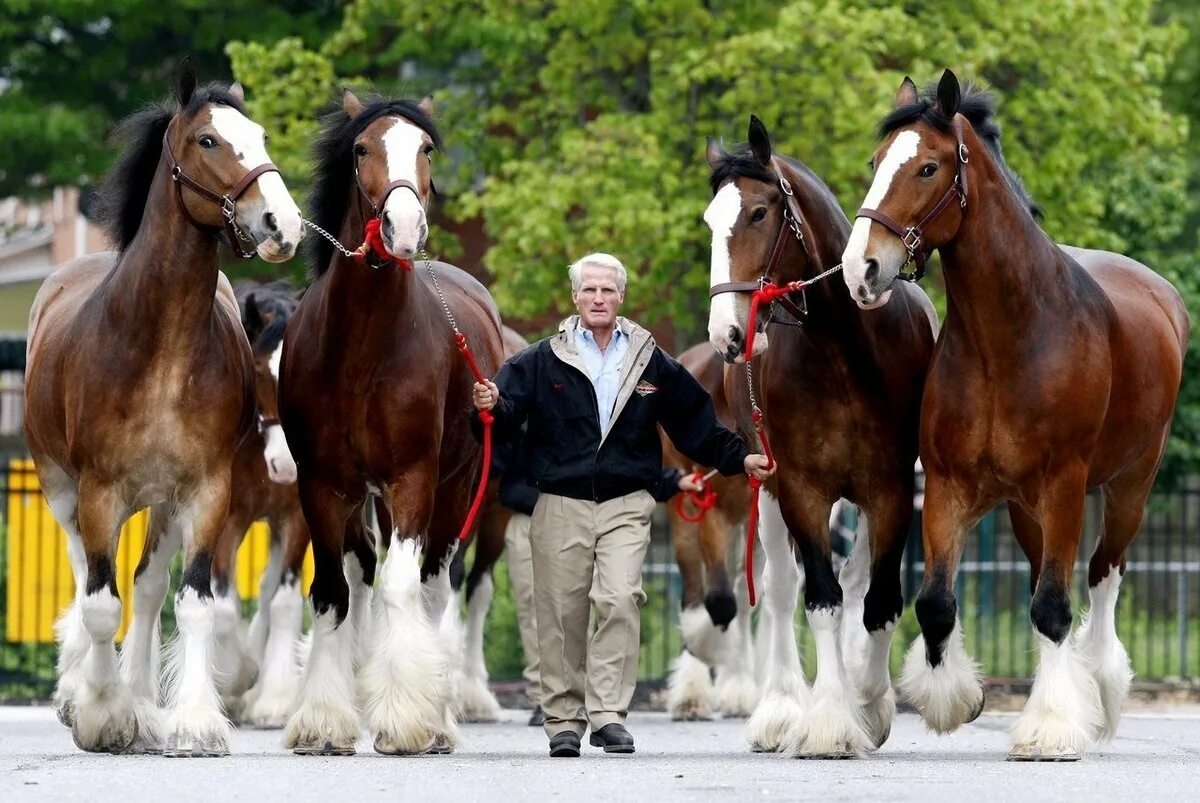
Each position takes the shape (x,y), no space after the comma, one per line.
(758,466)
(690,482)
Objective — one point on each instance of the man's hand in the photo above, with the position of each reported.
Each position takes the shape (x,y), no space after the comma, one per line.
(690,482)
(758,466)
(486,395)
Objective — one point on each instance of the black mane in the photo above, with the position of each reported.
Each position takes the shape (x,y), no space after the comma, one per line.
(979,107)
(740,162)
(121,197)
(333,167)
(278,299)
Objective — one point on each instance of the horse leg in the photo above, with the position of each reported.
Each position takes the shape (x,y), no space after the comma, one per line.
(233,670)
(140,665)
(737,687)
(260,623)
(103,716)
(1029,537)
(832,726)
(938,677)
(406,679)
(359,562)
(1063,715)
(326,722)
(1099,646)
(855,579)
(275,694)
(440,599)
(478,702)
(781,708)
(62,496)
(689,686)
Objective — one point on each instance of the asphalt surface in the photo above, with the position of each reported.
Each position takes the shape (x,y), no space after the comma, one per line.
(1155,757)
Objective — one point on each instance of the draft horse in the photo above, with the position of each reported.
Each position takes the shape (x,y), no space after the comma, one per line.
(138,389)
(1056,371)
(839,390)
(375,400)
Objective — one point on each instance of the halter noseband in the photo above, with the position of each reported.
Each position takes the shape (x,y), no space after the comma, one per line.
(913,236)
(227,202)
(791,222)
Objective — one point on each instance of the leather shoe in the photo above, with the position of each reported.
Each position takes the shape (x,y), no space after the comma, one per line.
(613,738)
(564,744)
(537,718)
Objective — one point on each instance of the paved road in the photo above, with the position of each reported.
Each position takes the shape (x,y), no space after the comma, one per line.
(1156,758)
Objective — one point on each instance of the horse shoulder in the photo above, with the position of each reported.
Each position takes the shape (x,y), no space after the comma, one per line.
(61,295)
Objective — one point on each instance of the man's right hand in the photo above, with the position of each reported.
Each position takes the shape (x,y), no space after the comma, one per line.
(486,395)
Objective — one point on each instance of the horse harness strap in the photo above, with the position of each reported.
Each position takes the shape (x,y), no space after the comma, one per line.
(913,236)
(227,202)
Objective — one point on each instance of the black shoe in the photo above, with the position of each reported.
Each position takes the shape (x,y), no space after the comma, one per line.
(537,718)
(613,738)
(564,744)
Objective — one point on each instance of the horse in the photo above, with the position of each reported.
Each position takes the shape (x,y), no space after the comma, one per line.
(138,389)
(259,681)
(375,401)
(476,703)
(839,391)
(715,616)
(1056,371)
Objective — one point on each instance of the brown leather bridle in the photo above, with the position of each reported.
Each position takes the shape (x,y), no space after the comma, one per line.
(913,236)
(227,202)
(791,223)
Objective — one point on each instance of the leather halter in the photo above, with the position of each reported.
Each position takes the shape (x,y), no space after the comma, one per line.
(791,222)
(227,202)
(913,236)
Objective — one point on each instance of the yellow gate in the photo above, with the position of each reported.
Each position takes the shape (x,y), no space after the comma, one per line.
(40,583)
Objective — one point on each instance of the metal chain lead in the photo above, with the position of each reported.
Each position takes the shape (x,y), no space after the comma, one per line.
(441,297)
(336,242)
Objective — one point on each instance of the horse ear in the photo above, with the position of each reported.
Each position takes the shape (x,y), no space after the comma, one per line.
(948,94)
(351,104)
(426,106)
(760,140)
(238,91)
(185,85)
(906,95)
(713,152)
(251,319)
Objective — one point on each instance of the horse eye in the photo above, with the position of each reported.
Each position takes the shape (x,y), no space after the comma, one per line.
(928,170)
(360,150)
(759,214)
(207,142)
(871,165)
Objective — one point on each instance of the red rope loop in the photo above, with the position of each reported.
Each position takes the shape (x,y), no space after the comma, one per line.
(487,419)
(702,501)
(373,242)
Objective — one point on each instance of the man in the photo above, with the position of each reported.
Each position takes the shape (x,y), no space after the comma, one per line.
(590,398)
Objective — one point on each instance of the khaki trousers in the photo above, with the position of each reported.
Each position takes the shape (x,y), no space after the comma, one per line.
(520,577)
(588,680)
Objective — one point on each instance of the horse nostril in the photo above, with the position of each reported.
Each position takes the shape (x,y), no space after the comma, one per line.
(270,222)
(862,292)
(735,335)
(872,271)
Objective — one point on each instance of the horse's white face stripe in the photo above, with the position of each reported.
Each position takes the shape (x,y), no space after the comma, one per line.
(854,257)
(402,145)
(273,363)
(721,215)
(246,139)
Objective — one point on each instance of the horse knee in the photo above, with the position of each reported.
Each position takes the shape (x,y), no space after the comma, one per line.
(1050,609)
(937,612)
(721,606)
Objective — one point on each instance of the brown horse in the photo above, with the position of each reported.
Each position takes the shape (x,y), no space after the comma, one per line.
(1057,371)
(264,487)
(840,391)
(138,389)
(375,399)
(715,619)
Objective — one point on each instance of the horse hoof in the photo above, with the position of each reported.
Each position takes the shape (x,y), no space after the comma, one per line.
(388,748)
(1030,752)
(979,708)
(690,716)
(441,746)
(835,755)
(112,739)
(323,747)
(188,746)
(66,714)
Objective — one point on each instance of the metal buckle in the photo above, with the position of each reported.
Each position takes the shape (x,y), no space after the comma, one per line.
(785,186)
(911,240)
(964,155)
(228,208)
(176,171)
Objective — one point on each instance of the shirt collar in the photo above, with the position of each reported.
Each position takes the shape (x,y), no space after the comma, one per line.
(586,334)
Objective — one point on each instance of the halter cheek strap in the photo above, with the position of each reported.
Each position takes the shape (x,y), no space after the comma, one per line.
(913,236)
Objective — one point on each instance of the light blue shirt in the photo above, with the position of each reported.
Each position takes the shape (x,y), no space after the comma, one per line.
(604,369)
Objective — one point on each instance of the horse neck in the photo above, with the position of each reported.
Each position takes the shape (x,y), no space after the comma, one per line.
(1001,270)
(165,282)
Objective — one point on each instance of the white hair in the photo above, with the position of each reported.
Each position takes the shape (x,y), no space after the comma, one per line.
(597,260)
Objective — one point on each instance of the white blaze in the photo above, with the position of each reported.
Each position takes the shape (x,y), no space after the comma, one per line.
(854,264)
(402,145)
(721,215)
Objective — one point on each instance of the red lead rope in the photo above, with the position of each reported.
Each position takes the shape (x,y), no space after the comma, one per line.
(486,418)
(702,502)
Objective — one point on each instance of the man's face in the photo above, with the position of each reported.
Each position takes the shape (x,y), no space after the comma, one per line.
(598,299)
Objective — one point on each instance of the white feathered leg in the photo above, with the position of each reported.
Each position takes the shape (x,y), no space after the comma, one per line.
(103,711)
(831,726)
(478,702)
(1103,654)
(276,694)
(947,695)
(1063,715)
(737,690)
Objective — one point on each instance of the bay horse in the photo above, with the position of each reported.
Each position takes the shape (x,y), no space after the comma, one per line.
(1057,371)
(840,390)
(138,389)
(375,400)
(715,616)
(264,488)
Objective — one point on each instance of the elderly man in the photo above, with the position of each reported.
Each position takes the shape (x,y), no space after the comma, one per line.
(590,398)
